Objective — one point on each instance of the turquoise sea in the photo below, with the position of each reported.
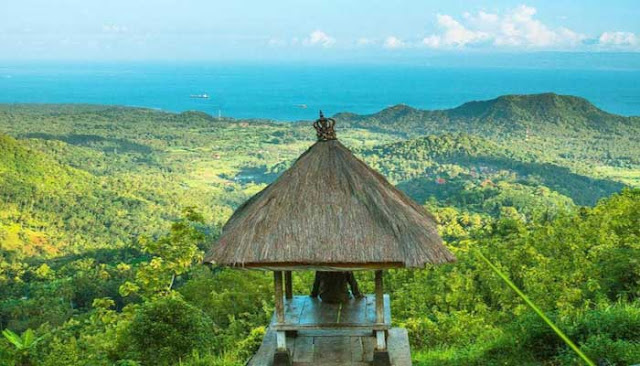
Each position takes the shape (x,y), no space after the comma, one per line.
(293,92)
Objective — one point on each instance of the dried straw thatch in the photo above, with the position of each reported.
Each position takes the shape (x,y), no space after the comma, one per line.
(329,211)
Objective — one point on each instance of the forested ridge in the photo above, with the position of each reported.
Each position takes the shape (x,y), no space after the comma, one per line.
(105,213)
(547,112)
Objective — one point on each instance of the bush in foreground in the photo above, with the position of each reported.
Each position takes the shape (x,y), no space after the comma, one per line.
(166,331)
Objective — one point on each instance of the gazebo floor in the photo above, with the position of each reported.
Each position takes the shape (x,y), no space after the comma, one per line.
(306,313)
(334,348)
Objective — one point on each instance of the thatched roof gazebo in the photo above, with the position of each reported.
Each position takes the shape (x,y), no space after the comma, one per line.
(329,212)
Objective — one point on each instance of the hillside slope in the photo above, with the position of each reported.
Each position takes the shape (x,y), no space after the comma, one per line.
(509,114)
(48,208)
(556,129)
(462,169)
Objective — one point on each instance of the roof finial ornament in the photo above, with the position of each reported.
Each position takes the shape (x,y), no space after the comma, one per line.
(324,128)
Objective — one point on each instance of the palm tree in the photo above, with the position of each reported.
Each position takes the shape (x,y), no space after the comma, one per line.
(23,344)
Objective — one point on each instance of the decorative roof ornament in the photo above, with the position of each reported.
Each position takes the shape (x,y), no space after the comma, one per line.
(324,128)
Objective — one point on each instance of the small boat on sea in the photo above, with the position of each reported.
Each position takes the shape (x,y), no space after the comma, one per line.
(302,106)
(199,96)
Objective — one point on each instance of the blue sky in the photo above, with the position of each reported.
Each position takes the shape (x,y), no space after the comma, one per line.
(292,30)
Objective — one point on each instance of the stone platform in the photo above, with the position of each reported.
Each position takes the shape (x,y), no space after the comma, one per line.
(334,348)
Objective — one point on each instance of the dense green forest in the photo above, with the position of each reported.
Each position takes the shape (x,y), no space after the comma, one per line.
(105,213)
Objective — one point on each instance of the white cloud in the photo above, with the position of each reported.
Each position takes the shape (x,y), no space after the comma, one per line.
(454,34)
(487,17)
(515,28)
(432,41)
(393,42)
(519,28)
(319,38)
(618,39)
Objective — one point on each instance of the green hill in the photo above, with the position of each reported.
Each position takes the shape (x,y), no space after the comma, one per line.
(49,208)
(24,169)
(467,171)
(555,129)
(29,181)
(539,110)
(509,114)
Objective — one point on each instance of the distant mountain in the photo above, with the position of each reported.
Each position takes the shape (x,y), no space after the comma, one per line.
(505,115)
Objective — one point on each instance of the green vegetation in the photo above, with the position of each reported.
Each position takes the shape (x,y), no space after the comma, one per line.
(467,171)
(105,213)
(535,308)
(546,128)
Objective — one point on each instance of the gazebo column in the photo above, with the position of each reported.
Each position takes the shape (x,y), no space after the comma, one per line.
(288,285)
(282,356)
(288,294)
(380,354)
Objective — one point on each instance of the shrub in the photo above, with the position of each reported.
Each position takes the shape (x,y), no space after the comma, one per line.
(605,351)
(166,330)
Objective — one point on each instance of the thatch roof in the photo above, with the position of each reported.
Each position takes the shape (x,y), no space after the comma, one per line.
(329,211)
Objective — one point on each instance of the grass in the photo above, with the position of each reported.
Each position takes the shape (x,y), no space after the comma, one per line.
(470,355)
(624,175)
(535,308)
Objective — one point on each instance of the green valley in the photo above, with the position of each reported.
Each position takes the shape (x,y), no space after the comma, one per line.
(105,212)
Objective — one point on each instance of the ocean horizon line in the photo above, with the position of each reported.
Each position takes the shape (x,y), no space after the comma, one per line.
(313,113)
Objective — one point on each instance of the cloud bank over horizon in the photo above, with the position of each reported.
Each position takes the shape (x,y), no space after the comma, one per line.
(286,29)
(516,29)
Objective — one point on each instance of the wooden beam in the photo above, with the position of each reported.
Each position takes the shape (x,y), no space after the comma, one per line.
(281,341)
(333,326)
(381,344)
(281,356)
(379,298)
(304,266)
(288,285)
(277,278)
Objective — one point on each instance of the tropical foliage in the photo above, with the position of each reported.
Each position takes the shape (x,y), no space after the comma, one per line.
(105,213)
